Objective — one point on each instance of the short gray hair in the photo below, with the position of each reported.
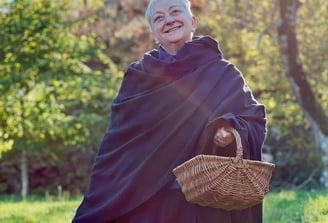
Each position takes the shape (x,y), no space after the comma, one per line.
(150,9)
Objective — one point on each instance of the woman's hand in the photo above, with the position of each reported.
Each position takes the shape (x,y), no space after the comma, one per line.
(223,136)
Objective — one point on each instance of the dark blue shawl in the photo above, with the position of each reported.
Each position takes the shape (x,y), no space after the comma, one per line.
(165,113)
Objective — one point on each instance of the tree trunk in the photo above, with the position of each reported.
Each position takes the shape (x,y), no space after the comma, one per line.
(311,108)
(24,175)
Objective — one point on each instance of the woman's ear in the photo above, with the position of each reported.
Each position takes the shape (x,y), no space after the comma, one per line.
(155,39)
(194,23)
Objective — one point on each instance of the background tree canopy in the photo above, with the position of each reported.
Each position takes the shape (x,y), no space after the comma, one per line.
(61,63)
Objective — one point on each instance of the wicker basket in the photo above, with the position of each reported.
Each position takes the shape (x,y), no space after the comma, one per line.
(231,183)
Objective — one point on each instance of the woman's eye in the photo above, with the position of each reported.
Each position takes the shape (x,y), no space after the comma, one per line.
(158,18)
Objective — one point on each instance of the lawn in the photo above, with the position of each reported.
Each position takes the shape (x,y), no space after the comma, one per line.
(282,207)
(37,210)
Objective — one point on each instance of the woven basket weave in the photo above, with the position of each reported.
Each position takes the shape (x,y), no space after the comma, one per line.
(231,183)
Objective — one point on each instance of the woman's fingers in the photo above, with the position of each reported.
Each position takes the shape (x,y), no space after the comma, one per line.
(223,137)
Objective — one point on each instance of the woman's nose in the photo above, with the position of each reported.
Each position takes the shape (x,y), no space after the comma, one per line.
(169,19)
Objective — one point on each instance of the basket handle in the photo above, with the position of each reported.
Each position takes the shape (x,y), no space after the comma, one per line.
(238,161)
(239,151)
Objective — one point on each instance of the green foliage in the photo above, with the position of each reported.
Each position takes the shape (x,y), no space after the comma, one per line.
(49,96)
(296,206)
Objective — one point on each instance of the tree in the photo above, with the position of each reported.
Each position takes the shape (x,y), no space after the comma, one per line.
(50,98)
(298,79)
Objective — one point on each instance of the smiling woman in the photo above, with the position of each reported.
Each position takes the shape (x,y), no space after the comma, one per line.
(180,100)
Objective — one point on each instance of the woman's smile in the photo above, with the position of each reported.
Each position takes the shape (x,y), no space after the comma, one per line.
(173,29)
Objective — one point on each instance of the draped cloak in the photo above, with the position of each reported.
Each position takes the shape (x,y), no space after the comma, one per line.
(165,113)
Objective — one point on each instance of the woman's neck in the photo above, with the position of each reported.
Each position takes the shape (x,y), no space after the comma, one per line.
(174,48)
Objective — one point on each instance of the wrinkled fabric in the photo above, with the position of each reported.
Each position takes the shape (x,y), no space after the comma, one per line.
(170,206)
(165,113)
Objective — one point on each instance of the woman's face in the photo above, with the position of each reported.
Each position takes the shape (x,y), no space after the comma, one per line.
(172,24)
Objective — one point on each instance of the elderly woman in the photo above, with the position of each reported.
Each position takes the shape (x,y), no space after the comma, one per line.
(178,101)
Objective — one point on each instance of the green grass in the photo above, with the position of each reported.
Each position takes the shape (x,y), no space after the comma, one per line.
(37,210)
(282,207)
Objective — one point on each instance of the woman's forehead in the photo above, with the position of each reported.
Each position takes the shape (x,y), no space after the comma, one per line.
(160,8)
